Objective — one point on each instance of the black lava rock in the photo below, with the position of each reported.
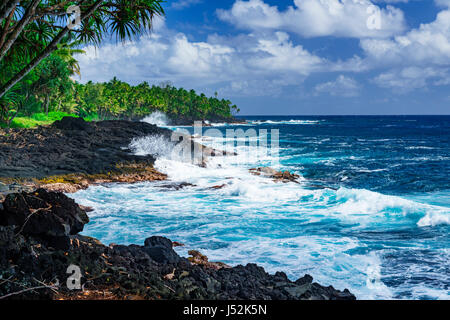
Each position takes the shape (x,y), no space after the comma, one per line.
(72,146)
(47,215)
(161,250)
(71,123)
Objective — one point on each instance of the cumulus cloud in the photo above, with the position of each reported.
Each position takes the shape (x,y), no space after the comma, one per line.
(343,86)
(266,60)
(312,18)
(408,79)
(430,43)
(246,62)
(416,57)
(155,57)
(281,55)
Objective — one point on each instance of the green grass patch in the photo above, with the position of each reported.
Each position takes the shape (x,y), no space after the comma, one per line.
(23,122)
(52,116)
(41,119)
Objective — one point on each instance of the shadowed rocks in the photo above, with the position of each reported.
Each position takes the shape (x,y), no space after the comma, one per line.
(50,216)
(72,154)
(72,146)
(161,250)
(153,271)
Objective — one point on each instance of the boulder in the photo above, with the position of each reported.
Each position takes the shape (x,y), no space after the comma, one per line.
(200,259)
(307,279)
(160,249)
(71,123)
(43,214)
(278,176)
(177,186)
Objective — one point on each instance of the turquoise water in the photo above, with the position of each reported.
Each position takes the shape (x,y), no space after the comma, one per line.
(371,212)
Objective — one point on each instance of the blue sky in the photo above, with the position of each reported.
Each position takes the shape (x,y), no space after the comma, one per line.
(294,57)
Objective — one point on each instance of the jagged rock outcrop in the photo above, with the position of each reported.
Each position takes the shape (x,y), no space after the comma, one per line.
(278,176)
(72,146)
(49,216)
(152,271)
(73,154)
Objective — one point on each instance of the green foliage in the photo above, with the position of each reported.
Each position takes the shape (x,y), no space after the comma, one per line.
(99,101)
(117,99)
(51,117)
(48,92)
(38,119)
(34,30)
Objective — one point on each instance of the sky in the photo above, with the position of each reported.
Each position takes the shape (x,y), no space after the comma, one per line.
(294,57)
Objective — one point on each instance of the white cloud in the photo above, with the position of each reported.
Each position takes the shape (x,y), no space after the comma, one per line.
(247,62)
(281,55)
(430,43)
(199,58)
(416,58)
(342,86)
(408,79)
(264,62)
(312,18)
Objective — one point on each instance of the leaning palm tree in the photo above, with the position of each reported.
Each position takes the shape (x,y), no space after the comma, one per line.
(34,28)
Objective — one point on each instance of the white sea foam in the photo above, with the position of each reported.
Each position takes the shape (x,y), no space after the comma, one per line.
(371,171)
(157,118)
(231,173)
(158,146)
(355,204)
(354,201)
(293,122)
(420,148)
(253,219)
(435,218)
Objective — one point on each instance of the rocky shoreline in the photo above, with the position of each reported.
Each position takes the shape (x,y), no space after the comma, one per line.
(72,154)
(40,226)
(39,241)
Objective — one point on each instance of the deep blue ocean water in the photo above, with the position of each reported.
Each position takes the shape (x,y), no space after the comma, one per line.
(371,212)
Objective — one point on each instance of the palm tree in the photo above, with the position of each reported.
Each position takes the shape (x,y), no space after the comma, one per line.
(66,52)
(123,19)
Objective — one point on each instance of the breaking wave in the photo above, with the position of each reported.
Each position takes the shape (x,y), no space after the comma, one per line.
(157,118)
(158,146)
(346,237)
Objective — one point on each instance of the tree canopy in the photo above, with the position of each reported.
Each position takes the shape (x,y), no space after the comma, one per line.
(30,30)
(39,40)
(50,88)
(117,99)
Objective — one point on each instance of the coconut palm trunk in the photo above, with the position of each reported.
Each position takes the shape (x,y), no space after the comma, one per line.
(44,54)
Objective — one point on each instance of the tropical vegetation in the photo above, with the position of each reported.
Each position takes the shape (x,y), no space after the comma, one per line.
(39,41)
(117,99)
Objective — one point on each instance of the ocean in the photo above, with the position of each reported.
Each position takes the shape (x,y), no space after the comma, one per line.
(371,211)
